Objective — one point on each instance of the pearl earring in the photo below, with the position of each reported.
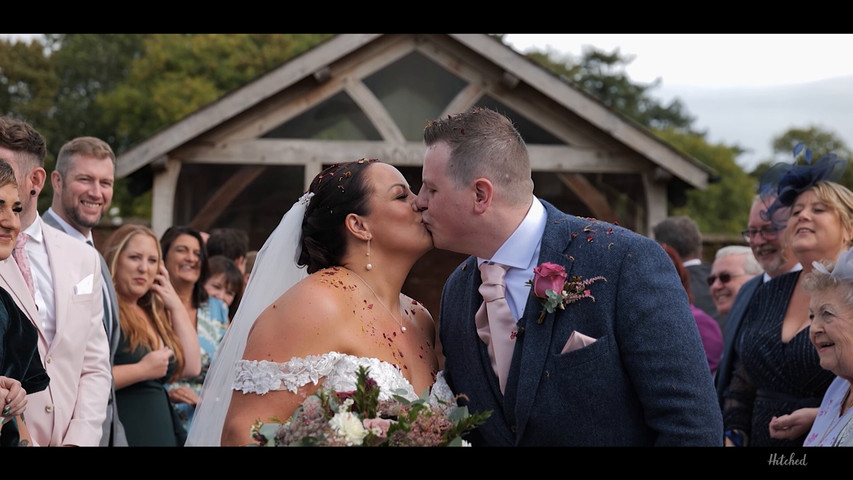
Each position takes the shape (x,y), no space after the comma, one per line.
(369,266)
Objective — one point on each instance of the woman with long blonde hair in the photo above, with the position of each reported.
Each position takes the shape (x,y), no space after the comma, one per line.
(158,343)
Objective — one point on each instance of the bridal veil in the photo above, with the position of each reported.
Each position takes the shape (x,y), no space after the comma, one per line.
(275,271)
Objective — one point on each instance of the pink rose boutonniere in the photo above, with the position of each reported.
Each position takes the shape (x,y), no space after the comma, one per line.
(554,290)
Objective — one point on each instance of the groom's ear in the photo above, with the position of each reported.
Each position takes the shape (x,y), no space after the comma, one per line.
(356,226)
(483,194)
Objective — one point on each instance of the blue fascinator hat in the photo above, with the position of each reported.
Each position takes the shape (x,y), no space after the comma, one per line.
(784,182)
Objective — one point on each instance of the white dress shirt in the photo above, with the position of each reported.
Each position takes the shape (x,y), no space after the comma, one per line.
(520,251)
(42,280)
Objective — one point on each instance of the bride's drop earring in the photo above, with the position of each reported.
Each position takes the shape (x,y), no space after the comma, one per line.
(369,266)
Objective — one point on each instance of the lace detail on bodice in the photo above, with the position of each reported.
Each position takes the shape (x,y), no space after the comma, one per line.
(338,371)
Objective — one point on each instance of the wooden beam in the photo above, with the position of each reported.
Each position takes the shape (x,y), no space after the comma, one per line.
(163,200)
(224,196)
(590,196)
(271,151)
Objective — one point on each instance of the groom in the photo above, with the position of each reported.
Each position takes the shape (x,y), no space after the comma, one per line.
(624,367)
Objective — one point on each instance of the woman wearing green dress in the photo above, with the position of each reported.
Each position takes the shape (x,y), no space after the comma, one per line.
(158,343)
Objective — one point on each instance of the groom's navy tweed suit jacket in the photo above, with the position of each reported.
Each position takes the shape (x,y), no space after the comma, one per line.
(645,381)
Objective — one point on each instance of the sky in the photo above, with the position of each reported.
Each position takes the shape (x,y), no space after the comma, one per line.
(742,89)
(712,60)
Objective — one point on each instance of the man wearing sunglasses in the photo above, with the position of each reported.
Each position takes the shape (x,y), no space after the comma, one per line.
(775,259)
(733,266)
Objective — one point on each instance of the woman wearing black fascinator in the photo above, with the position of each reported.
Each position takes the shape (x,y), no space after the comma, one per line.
(784,182)
(778,383)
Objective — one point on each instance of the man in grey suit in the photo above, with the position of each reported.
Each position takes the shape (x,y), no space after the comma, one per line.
(622,365)
(82,191)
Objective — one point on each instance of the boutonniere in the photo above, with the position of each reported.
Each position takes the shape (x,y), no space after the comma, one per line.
(554,290)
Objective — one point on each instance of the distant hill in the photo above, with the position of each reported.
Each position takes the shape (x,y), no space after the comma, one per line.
(751,116)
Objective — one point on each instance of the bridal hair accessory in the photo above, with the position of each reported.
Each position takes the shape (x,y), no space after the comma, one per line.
(784,182)
(400,322)
(369,266)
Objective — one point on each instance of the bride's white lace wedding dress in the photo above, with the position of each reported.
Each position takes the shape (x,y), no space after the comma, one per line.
(338,372)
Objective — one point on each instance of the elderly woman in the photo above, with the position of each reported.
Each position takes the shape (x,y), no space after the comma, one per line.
(778,370)
(831,311)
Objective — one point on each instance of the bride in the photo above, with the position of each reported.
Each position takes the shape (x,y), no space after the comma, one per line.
(359,233)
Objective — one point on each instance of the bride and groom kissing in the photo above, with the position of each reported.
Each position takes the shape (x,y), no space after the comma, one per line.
(609,360)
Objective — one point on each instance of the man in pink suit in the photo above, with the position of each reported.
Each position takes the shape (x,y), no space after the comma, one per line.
(67,307)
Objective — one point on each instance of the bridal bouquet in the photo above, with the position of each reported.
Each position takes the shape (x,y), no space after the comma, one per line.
(359,418)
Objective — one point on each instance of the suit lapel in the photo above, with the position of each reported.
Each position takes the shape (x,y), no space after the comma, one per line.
(18,290)
(110,314)
(537,337)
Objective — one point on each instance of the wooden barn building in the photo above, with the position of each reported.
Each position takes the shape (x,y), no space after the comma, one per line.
(243,160)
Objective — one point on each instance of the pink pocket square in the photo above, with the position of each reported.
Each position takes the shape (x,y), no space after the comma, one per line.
(577,340)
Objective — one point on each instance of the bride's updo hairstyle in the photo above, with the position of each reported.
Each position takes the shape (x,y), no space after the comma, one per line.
(338,191)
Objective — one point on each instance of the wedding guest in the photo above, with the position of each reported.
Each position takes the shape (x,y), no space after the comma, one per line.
(82,192)
(13,428)
(225,282)
(230,242)
(250,263)
(535,368)
(775,259)
(830,285)
(158,343)
(65,303)
(733,266)
(186,260)
(682,234)
(778,370)
(709,330)
(325,299)
(21,369)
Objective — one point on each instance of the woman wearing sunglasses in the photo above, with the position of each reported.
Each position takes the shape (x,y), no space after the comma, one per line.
(778,370)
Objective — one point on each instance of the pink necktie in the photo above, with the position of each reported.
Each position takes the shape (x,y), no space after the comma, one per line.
(20,255)
(495,323)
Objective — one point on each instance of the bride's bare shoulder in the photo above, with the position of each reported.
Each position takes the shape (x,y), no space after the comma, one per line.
(313,302)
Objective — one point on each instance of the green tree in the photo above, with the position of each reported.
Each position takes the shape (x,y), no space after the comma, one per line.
(602,75)
(28,82)
(180,73)
(125,87)
(724,206)
(820,141)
